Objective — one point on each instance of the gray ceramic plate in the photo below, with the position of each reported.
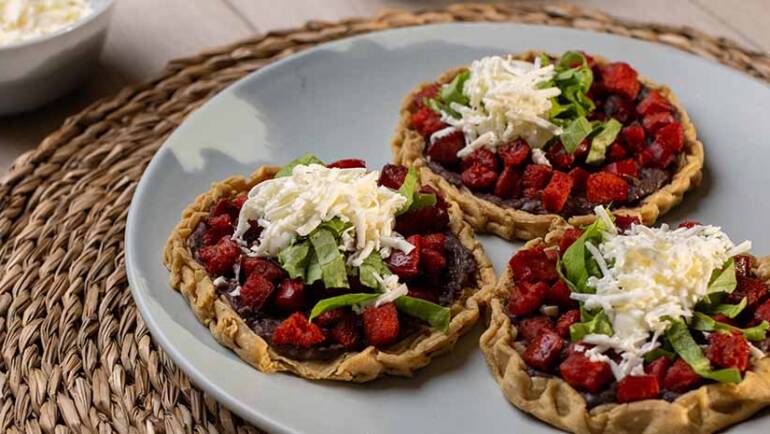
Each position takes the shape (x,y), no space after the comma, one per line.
(341,100)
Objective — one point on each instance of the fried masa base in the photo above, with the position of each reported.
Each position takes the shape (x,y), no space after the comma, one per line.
(229,329)
(484,216)
(704,410)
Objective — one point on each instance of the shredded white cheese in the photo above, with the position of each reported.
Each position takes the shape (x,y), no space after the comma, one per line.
(756,353)
(440,134)
(648,274)
(549,310)
(21,20)
(538,157)
(295,205)
(391,290)
(505,103)
(602,214)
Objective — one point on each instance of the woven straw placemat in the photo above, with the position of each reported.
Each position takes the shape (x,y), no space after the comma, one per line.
(76,356)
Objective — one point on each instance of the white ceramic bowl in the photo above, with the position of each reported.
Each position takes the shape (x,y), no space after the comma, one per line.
(39,70)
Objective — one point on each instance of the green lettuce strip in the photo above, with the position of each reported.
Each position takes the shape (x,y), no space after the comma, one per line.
(577,262)
(422,200)
(410,190)
(723,280)
(435,315)
(294,259)
(451,92)
(728,310)
(573,78)
(330,260)
(573,59)
(563,276)
(574,133)
(372,265)
(301,161)
(344,300)
(407,189)
(313,273)
(336,226)
(602,140)
(302,259)
(592,324)
(721,283)
(685,346)
(657,353)
(705,323)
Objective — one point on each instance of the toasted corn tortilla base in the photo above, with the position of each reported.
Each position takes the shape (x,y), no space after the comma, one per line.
(706,409)
(408,148)
(191,279)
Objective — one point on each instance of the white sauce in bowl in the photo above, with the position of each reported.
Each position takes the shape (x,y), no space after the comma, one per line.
(22,20)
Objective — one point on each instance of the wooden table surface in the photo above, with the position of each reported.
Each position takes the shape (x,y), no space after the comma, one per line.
(145,34)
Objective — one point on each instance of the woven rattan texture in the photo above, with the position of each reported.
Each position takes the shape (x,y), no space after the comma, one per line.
(76,356)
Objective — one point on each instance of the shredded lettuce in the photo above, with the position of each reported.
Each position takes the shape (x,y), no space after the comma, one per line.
(451,92)
(421,200)
(301,161)
(410,190)
(723,280)
(434,105)
(728,310)
(344,300)
(706,323)
(557,109)
(577,261)
(317,256)
(592,324)
(435,315)
(606,134)
(294,259)
(336,226)
(658,353)
(562,276)
(683,343)
(756,333)
(574,133)
(313,273)
(373,264)
(330,260)
(572,59)
(574,78)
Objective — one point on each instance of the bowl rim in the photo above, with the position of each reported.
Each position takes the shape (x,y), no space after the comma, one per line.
(98,11)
